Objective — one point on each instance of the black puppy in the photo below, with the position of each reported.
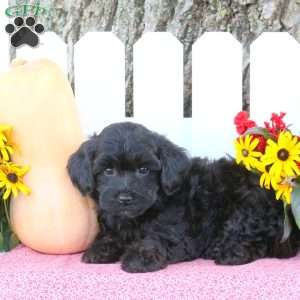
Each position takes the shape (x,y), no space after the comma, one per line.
(158,207)
(236,220)
(136,178)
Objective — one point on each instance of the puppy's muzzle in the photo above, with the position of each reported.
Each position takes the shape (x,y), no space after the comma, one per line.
(125,198)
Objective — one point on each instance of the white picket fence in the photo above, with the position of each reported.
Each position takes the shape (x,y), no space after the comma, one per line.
(158,83)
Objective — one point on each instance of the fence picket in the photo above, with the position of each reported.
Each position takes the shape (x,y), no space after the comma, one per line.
(158,85)
(100,80)
(275,73)
(217,93)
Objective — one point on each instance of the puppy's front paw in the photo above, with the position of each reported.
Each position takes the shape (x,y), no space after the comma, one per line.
(101,252)
(91,256)
(143,258)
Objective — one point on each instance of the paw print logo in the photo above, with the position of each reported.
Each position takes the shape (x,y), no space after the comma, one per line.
(24,32)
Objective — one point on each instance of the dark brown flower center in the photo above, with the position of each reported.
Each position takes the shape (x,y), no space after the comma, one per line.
(245,152)
(283,154)
(12,177)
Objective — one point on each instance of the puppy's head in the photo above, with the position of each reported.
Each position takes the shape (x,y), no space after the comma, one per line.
(126,167)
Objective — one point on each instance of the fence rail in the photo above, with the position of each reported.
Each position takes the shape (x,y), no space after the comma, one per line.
(99,62)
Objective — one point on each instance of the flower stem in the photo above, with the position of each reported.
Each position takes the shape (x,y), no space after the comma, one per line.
(6,212)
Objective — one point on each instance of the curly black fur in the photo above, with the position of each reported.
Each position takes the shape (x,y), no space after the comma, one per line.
(156,206)
(236,221)
(144,222)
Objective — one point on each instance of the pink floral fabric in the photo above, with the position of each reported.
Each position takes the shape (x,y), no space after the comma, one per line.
(25,274)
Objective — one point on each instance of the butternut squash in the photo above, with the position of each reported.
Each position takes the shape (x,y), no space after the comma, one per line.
(37,100)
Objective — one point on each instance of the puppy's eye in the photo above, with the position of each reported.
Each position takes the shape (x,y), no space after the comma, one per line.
(109,172)
(143,171)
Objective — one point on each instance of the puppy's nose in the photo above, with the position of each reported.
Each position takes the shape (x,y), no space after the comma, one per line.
(125,198)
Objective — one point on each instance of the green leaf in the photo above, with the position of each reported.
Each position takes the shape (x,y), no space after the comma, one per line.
(4,235)
(8,240)
(287,227)
(260,131)
(13,241)
(2,248)
(296,204)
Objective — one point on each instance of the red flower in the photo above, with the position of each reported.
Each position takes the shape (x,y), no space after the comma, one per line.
(242,122)
(277,124)
(261,147)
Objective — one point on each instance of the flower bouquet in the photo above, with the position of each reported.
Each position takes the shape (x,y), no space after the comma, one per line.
(273,152)
(11,182)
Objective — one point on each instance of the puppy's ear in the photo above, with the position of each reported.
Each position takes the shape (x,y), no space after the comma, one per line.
(175,164)
(80,167)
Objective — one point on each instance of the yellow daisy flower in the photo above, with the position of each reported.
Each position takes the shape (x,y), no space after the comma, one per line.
(11,180)
(266,180)
(244,147)
(284,191)
(283,155)
(6,151)
(7,147)
(4,131)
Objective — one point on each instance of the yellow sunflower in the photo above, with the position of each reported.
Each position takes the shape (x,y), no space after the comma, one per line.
(244,147)
(266,180)
(283,155)
(11,180)
(6,151)
(7,147)
(4,131)
(284,191)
